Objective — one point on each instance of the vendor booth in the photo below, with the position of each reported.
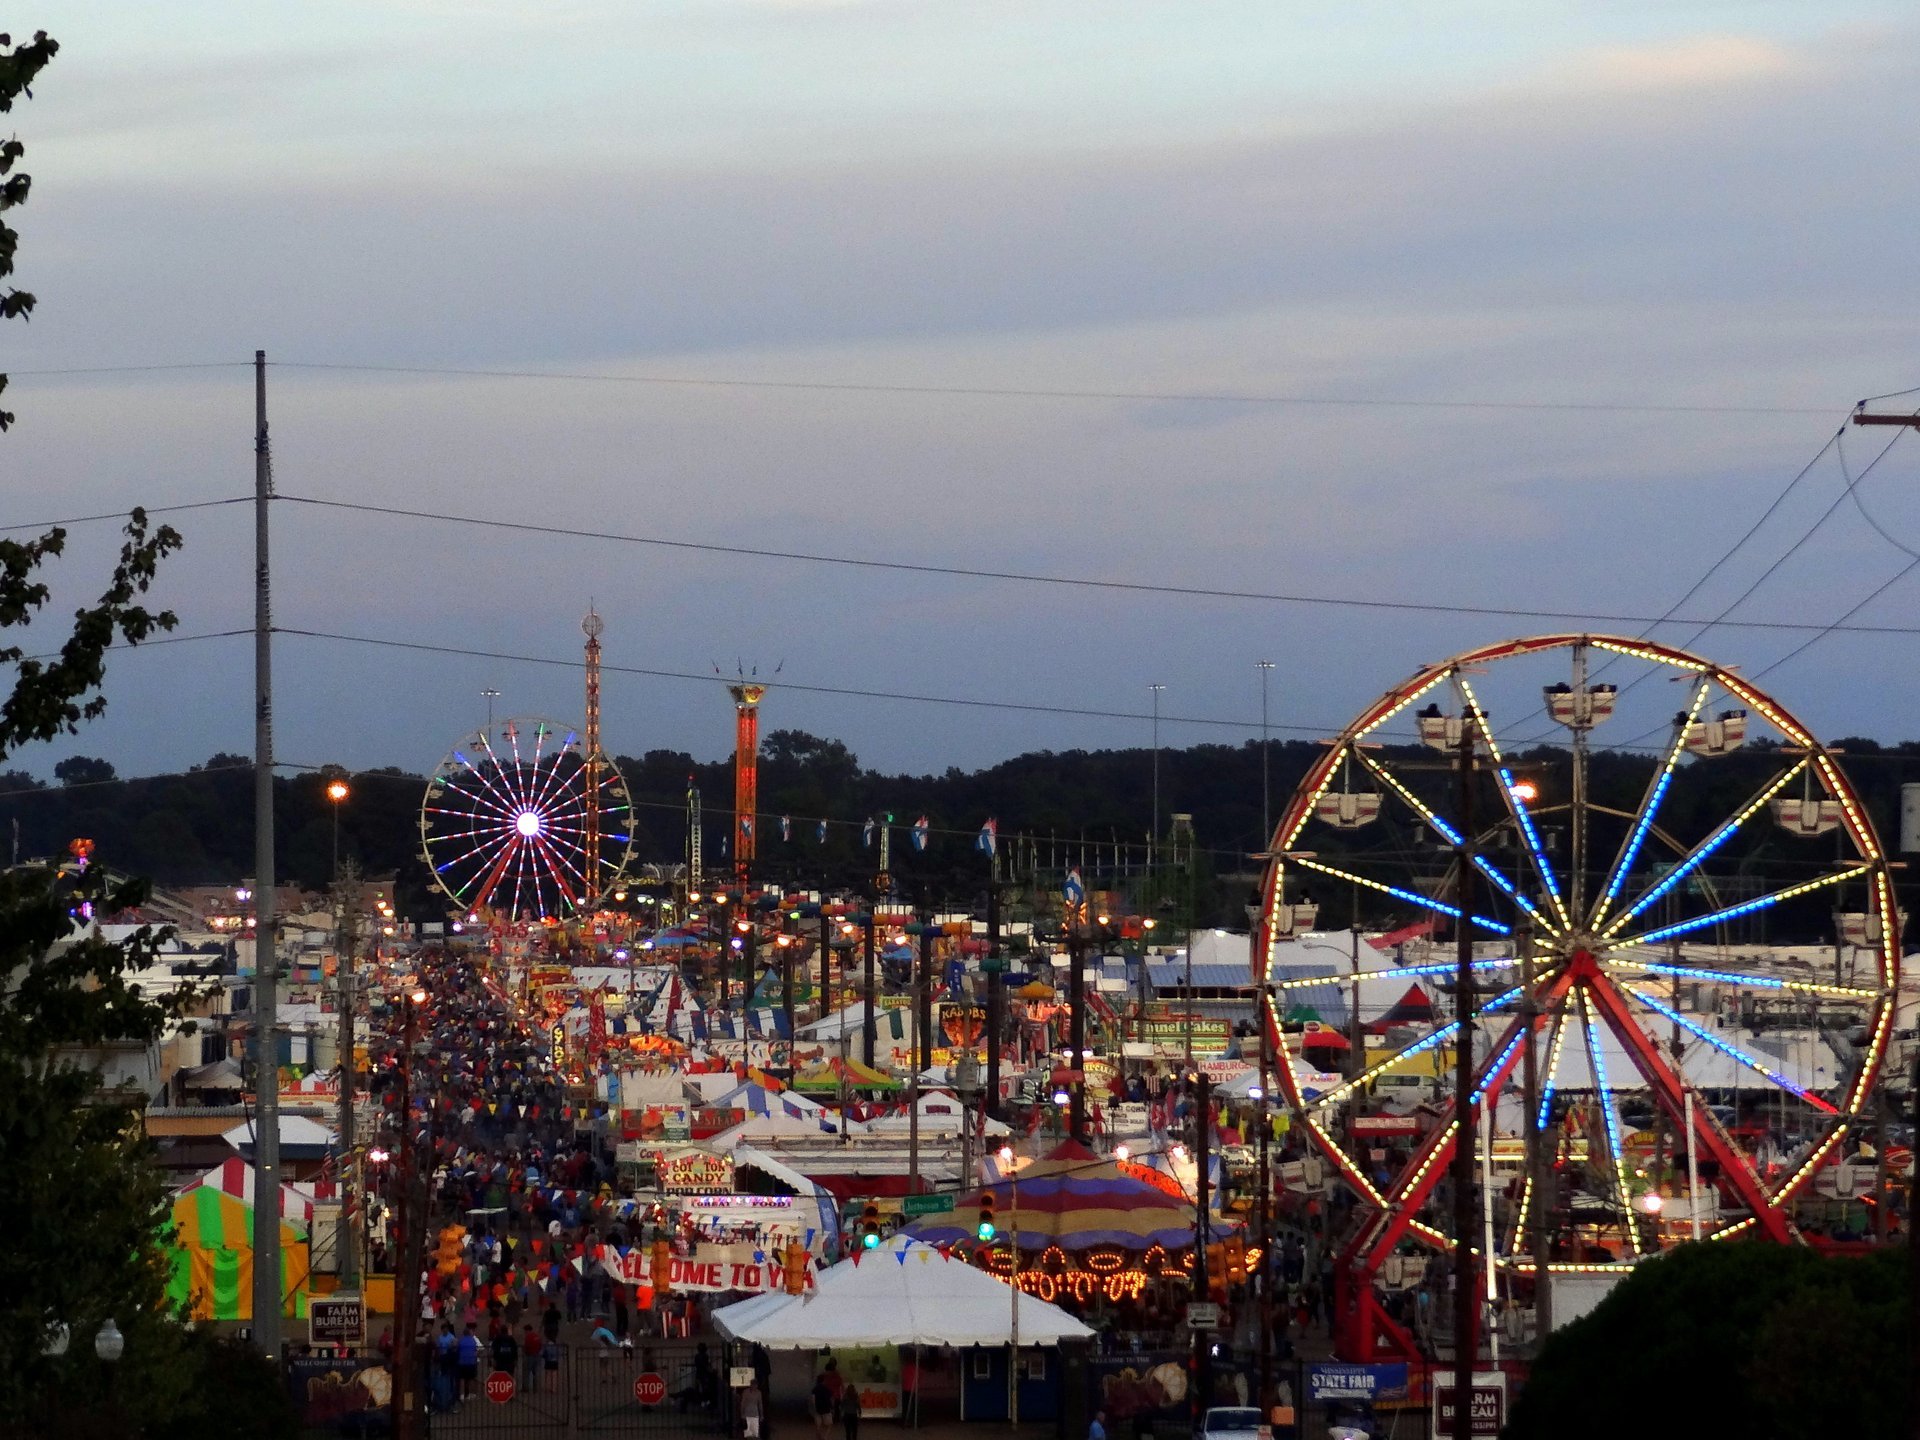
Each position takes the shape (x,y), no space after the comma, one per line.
(212,1258)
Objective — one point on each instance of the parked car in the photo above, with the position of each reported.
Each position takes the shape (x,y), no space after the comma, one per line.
(1233,1422)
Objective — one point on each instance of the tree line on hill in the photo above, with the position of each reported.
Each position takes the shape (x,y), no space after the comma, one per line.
(1053,808)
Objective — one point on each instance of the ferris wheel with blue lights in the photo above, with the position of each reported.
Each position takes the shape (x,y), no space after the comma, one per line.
(1684,950)
(521,822)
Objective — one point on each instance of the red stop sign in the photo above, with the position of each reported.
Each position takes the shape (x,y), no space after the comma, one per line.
(649,1389)
(499,1387)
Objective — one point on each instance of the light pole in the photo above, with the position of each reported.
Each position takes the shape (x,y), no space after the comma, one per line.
(1266,781)
(337,792)
(491,695)
(1153,837)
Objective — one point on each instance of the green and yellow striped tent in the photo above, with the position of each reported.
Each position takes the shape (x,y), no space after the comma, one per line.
(212,1255)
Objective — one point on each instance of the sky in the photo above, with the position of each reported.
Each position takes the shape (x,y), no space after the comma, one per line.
(1509,305)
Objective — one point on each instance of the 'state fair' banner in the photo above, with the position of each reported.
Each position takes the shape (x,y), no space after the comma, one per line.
(709,1268)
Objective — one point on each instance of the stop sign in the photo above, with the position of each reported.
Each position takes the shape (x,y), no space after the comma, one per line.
(649,1389)
(499,1387)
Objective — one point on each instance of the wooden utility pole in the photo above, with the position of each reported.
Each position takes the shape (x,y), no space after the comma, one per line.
(1466,1296)
(346,896)
(1906,422)
(266,953)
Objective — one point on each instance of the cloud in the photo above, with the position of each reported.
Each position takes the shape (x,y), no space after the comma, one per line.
(1689,63)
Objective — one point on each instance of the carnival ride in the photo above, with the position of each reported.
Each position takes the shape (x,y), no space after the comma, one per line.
(1605,960)
(522,820)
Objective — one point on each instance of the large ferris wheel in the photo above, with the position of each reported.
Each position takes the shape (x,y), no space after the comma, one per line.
(1616,906)
(520,820)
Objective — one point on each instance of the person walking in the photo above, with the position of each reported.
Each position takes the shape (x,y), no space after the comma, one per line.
(822,1402)
(753,1412)
(850,1411)
(530,1347)
(1098,1429)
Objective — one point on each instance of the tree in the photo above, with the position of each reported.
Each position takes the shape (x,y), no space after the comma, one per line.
(1731,1339)
(83,1203)
(83,770)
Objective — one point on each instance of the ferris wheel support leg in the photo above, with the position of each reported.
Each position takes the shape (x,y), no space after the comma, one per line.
(1734,1170)
(1363,1332)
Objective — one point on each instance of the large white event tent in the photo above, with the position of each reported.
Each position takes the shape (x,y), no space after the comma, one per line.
(903,1293)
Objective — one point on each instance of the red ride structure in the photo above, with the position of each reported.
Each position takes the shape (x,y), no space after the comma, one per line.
(1639,1068)
(746,776)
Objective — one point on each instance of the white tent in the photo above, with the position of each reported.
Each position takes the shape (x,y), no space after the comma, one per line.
(941,1113)
(904,1293)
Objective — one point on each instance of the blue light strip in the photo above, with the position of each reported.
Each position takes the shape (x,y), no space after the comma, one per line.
(1601,1087)
(1519,809)
(1758,982)
(1700,922)
(1412,897)
(1494,1069)
(1637,838)
(1733,1052)
(1680,872)
(1446,967)
(1448,833)
(1554,1043)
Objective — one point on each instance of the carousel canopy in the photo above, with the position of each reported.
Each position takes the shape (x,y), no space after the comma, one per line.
(904,1293)
(827,1076)
(1075,1200)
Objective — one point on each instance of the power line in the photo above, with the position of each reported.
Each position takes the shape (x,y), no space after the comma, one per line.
(522,527)
(123,514)
(859,694)
(140,369)
(1008,392)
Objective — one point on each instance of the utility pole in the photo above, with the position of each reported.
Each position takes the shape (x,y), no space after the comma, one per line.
(1153,837)
(1076,1032)
(1202,1235)
(1266,745)
(346,892)
(996,995)
(266,953)
(1264,1234)
(1466,1297)
(1537,1170)
(869,1021)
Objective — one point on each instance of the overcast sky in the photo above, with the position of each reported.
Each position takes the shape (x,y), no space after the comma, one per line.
(1657,204)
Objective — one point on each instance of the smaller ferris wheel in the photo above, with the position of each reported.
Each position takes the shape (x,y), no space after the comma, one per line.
(521,820)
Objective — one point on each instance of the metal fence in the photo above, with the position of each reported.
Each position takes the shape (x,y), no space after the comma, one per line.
(648,1393)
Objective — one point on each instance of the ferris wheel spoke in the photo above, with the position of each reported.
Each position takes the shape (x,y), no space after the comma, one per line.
(1670,1090)
(480,799)
(1747,907)
(1615,961)
(1556,1039)
(487,785)
(1516,808)
(1731,1051)
(1397,972)
(1450,835)
(1697,856)
(507,776)
(1412,897)
(1649,810)
(1610,1120)
(496,873)
(557,871)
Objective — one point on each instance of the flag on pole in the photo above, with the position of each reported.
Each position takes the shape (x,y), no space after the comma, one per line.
(786,827)
(746,826)
(921,829)
(823,832)
(987,842)
(1072,890)
(866,835)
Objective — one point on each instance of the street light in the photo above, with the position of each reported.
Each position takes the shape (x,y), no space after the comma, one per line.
(337,792)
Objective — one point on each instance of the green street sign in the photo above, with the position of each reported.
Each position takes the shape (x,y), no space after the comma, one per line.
(925,1204)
